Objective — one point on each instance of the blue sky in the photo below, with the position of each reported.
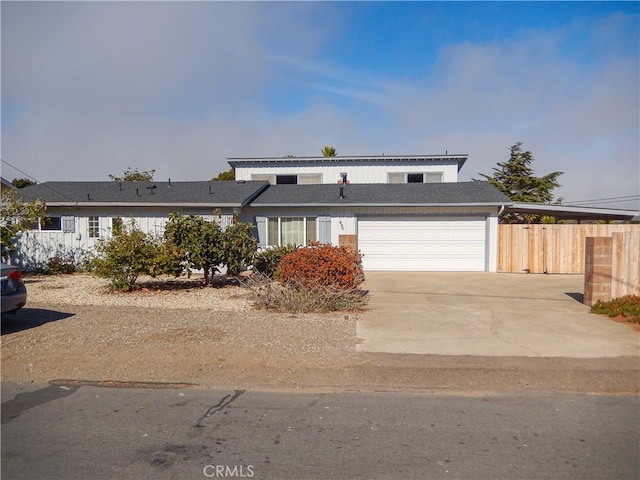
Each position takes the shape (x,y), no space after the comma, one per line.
(91,88)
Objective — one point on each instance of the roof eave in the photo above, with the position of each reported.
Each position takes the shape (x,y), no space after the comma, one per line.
(235,161)
(368,204)
(573,212)
(142,204)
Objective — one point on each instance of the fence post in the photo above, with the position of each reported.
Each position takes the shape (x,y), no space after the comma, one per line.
(598,265)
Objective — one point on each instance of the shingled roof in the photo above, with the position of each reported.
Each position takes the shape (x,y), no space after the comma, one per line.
(397,194)
(207,193)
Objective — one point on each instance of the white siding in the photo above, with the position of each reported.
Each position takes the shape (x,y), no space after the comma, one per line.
(35,248)
(356,173)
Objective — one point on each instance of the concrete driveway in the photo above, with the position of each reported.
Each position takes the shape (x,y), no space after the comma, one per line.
(488,314)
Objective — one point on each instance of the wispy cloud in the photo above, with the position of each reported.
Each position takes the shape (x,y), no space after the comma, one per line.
(92,88)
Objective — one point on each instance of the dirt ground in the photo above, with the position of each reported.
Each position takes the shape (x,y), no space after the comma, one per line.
(73,329)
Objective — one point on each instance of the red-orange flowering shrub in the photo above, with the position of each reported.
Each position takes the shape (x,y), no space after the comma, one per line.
(322,265)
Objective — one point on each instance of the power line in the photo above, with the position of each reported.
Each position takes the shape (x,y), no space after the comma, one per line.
(35,180)
(596,204)
(622,199)
(16,168)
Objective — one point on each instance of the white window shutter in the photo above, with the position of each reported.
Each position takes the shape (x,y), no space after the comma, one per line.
(324,229)
(68,225)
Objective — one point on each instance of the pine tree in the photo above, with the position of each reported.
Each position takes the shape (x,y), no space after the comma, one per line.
(515,178)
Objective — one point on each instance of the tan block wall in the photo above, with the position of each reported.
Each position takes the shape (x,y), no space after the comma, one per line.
(598,267)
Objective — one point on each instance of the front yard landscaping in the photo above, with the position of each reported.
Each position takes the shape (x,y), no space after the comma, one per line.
(627,308)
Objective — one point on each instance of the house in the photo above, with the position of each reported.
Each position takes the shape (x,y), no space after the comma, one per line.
(402,212)
(80,213)
(404,227)
(406,213)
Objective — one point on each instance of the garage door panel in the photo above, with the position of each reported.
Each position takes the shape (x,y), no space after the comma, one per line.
(422,244)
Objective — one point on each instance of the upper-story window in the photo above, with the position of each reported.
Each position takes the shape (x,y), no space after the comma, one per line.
(286,179)
(418,177)
(300,179)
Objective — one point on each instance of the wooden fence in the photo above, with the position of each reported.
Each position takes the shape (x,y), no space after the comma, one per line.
(542,248)
(625,265)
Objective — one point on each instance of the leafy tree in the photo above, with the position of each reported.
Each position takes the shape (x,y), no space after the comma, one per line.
(203,245)
(329,151)
(22,182)
(196,242)
(515,178)
(238,246)
(134,176)
(227,175)
(16,215)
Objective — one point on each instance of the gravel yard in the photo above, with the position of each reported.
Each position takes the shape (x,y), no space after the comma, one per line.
(74,328)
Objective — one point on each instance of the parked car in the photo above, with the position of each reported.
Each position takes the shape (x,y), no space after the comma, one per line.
(14,292)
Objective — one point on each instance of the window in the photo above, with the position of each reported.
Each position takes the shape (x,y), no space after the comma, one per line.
(94,227)
(302,179)
(292,231)
(263,178)
(273,232)
(433,177)
(51,223)
(396,177)
(286,179)
(427,177)
(310,179)
(116,225)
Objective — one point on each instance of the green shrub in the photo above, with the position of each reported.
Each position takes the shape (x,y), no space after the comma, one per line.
(628,307)
(60,265)
(238,247)
(322,265)
(125,256)
(266,262)
(195,241)
(204,245)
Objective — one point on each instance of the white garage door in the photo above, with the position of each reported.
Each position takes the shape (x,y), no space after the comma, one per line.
(422,243)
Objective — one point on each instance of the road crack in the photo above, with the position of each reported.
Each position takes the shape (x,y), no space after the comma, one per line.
(221,405)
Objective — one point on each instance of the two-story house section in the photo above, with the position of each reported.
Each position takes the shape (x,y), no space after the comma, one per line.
(357,169)
(402,212)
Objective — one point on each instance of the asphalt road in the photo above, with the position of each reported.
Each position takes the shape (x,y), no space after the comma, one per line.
(89,432)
